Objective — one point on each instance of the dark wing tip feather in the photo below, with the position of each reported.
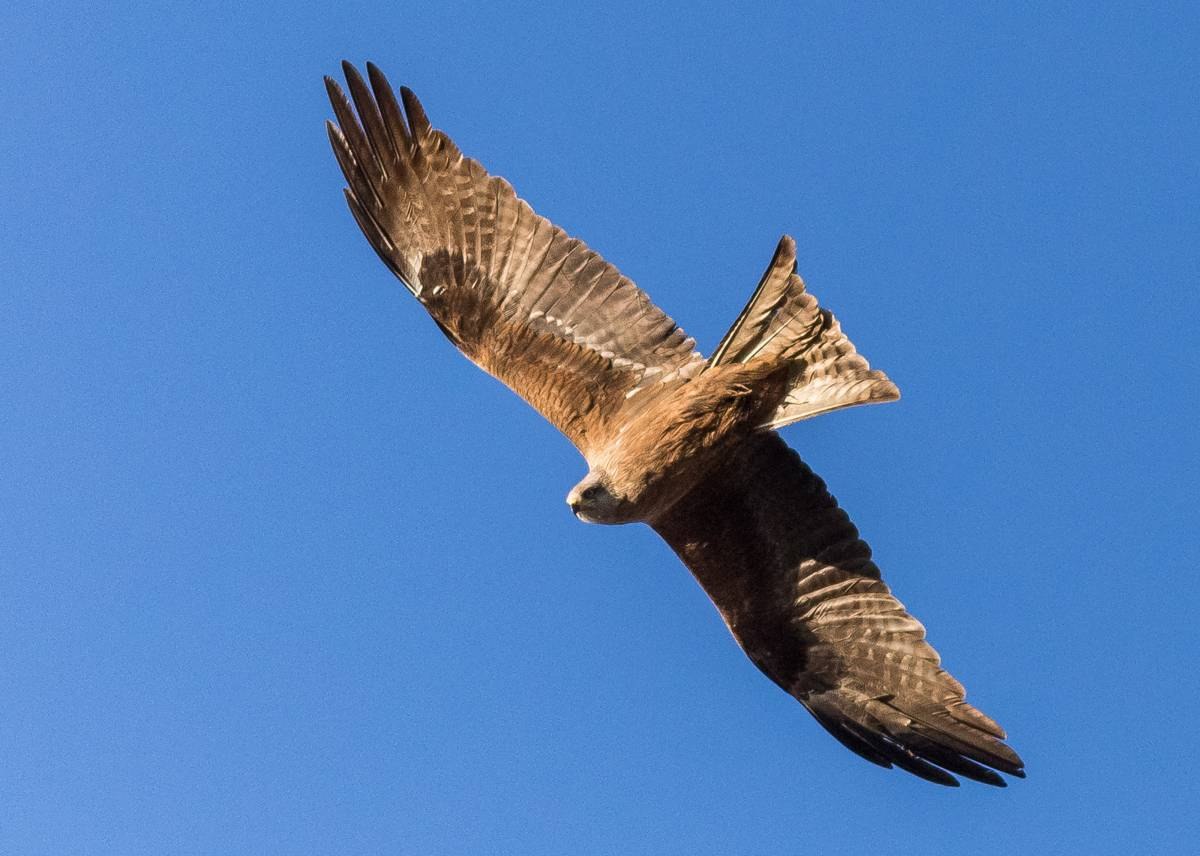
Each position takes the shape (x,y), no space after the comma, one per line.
(332,130)
(880,749)
(417,119)
(385,97)
(972,743)
(341,149)
(383,147)
(334,91)
(378,79)
(358,88)
(895,753)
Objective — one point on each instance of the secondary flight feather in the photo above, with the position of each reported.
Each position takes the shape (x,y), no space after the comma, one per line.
(672,439)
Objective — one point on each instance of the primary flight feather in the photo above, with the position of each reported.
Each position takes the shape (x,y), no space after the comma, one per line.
(680,442)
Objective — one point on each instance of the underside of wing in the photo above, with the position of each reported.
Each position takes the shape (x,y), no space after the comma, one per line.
(798,589)
(523,300)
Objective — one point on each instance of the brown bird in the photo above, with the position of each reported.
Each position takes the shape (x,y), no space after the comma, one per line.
(671,439)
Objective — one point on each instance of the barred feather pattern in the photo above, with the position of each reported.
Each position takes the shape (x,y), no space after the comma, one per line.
(800,593)
(565,330)
(522,299)
(782,321)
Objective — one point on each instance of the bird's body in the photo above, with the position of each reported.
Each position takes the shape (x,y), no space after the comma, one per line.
(672,442)
(680,442)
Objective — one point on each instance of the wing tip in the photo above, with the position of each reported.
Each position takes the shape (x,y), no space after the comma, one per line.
(333,89)
(418,120)
(935,757)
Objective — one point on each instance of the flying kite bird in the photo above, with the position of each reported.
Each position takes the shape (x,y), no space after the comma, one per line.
(671,439)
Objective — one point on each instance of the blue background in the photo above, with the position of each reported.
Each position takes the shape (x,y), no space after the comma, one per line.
(282,573)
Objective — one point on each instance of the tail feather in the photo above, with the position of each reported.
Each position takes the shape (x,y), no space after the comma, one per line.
(760,321)
(782,322)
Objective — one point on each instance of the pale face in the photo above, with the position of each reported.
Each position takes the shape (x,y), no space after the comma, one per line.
(593,501)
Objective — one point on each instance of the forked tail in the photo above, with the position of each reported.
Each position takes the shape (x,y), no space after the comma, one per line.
(782,322)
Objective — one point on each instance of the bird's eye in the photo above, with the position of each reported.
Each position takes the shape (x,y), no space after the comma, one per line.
(590,492)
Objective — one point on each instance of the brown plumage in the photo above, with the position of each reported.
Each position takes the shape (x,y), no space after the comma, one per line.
(673,440)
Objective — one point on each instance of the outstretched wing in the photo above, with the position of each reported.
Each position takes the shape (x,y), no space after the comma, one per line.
(528,304)
(797,587)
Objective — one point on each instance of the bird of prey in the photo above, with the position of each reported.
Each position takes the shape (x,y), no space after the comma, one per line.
(682,443)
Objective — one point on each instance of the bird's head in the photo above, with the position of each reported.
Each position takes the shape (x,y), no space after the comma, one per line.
(594,500)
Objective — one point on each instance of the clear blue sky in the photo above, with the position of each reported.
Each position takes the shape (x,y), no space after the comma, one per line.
(280,572)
